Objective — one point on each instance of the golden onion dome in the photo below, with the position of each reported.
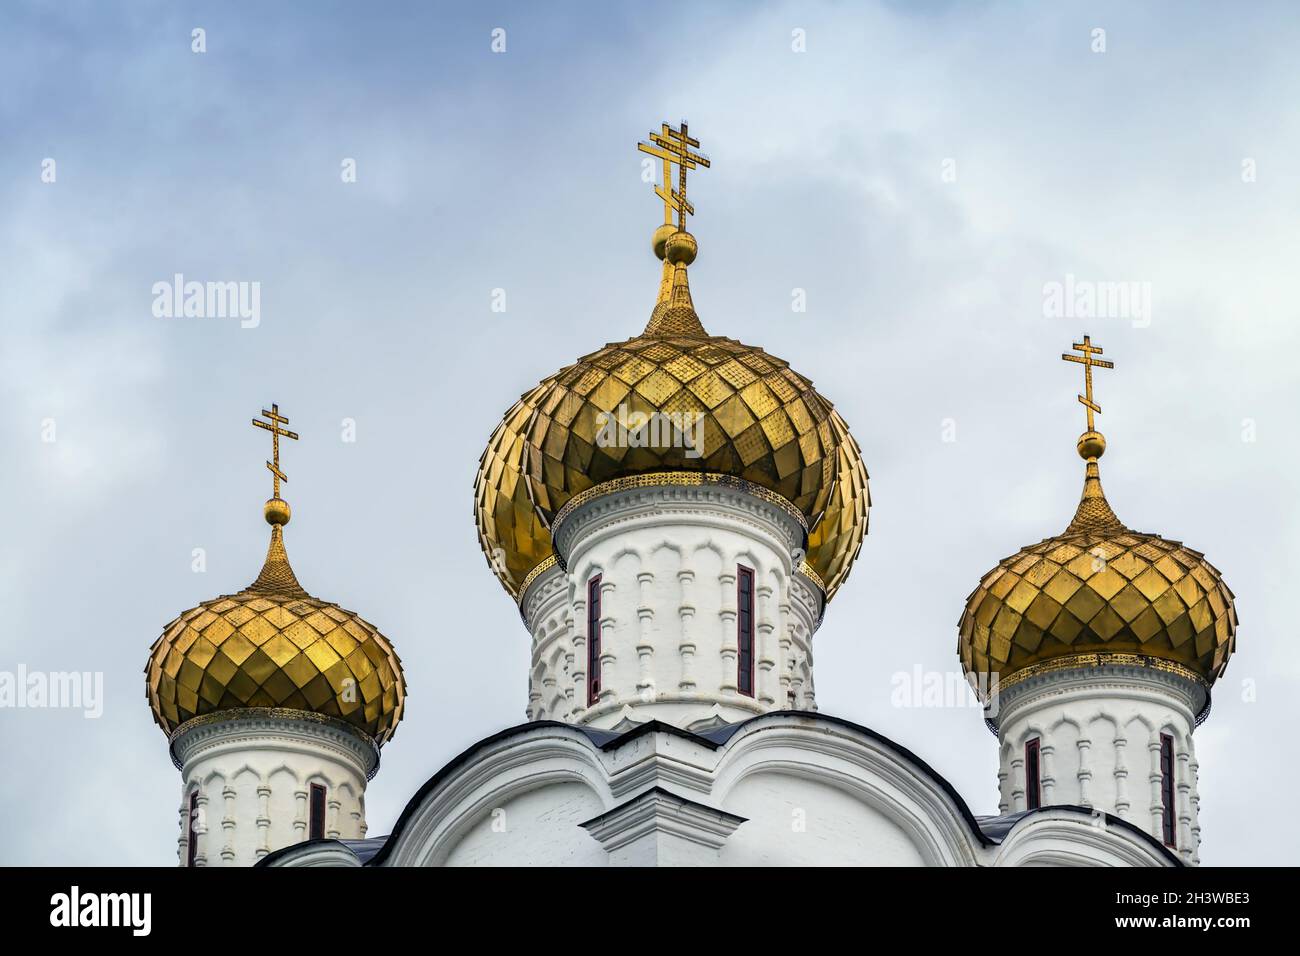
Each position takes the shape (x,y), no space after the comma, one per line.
(1098,593)
(759,421)
(273,645)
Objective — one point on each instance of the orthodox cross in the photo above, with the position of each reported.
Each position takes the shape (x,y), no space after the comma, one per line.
(1088,363)
(276,431)
(674,147)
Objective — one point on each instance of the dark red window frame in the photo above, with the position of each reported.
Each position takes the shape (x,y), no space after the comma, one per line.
(1033,775)
(1168,823)
(593,640)
(745,630)
(192,839)
(316,814)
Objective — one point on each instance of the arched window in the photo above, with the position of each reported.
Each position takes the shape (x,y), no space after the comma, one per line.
(593,640)
(316,816)
(1033,776)
(1168,823)
(745,630)
(192,840)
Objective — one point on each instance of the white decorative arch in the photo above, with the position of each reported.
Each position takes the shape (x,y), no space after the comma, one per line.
(507,769)
(1069,837)
(862,767)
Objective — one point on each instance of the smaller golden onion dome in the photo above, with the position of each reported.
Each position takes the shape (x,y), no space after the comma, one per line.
(273,645)
(1099,592)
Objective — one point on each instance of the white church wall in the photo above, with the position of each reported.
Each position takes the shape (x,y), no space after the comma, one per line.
(833,782)
(538,827)
(798,820)
(808,792)
(519,777)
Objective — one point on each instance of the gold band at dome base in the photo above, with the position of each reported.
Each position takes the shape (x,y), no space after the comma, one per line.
(1086,661)
(687,479)
(275,713)
(806,570)
(533,575)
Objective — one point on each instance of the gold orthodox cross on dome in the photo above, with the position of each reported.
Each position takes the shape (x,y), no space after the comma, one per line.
(276,432)
(674,147)
(1088,363)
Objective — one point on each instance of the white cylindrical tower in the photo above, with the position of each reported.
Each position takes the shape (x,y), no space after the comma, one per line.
(260,778)
(681,602)
(275,704)
(1108,731)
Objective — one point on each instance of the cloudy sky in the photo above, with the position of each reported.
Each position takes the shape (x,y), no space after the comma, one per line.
(922,171)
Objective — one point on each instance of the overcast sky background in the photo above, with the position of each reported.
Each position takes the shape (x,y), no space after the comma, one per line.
(519,171)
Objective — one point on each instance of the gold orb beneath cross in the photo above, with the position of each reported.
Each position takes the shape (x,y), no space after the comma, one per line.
(1092,444)
(661,237)
(277,511)
(681,248)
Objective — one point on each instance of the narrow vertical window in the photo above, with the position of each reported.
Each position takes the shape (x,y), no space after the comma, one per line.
(1167,821)
(192,839)
(745,630)
(1033,776)
(593,640)
(316,818)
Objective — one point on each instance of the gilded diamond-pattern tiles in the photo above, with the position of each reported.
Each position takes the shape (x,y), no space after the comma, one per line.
(760,421)
(1106,589)
(273,645)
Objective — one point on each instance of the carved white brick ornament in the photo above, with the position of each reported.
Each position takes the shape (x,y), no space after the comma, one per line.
(1099,740)
(258,767)
(667,558)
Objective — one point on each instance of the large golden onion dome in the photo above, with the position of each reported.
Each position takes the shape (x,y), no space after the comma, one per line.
(273,645)
(1098,593)
(760,421)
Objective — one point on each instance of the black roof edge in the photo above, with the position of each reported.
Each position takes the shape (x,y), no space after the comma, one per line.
(663,791)
(284,851)
(657,726)
(1015,820)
